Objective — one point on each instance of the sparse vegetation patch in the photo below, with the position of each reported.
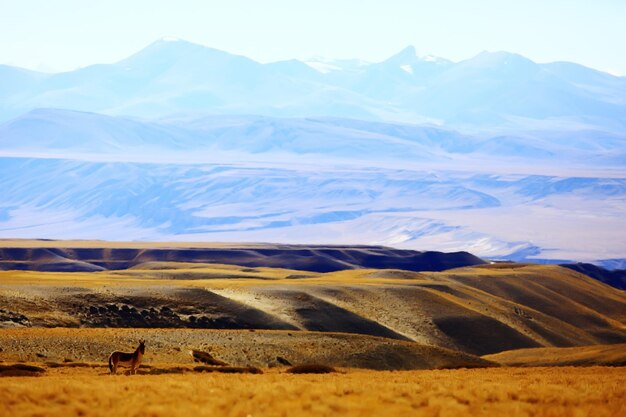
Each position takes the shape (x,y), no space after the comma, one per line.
(312,368)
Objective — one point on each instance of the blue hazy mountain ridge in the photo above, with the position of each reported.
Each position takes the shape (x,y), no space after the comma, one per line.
(44,131)
(61,198)
(50,130)
(490,89)
(495,155)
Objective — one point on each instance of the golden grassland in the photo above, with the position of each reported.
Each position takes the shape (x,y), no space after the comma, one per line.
(225,276)
(575,356)
(592,391)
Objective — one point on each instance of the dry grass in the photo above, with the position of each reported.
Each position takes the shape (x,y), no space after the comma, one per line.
(20,369)
(607,355)
(74,365)
(228,369)
(498,392)
(239,348)
(312,368)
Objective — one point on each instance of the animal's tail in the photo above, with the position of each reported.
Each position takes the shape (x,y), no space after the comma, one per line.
(111,363)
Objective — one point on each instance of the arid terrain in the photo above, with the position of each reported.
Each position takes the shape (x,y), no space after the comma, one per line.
(481,309)
(476,392)
(611,355)
(258,348)
(483,339)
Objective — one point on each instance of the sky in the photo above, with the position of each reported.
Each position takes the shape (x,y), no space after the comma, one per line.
(62,35)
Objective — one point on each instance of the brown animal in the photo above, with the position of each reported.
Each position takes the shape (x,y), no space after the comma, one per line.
(131,359)
(204,357)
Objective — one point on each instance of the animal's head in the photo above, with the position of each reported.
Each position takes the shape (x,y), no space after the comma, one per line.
(142,346)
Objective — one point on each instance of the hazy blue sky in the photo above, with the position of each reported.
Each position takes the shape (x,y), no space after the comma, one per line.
(65,34)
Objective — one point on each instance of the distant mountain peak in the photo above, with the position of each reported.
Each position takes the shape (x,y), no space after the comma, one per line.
(171,42)
(174,76)
(406,55)
(325,65)
(409,56)
(500,57)
(171,50)
(170,39)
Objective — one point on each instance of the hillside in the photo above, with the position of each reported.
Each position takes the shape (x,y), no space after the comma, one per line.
(506,215)
(615,278)
(59,132)
(605,355)
(478,310)
(301,257)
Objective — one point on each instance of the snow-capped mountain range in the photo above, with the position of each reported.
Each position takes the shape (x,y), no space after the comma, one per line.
(175,76)
(496,155)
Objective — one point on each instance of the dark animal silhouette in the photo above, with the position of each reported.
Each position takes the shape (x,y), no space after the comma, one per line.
(207,358)
(131,359)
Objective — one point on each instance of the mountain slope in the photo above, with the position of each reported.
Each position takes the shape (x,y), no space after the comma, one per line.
(478,310)
(65,132)
(603,355)
(309,202)
(491,89)
(615,278)
(50,131)
(308,258)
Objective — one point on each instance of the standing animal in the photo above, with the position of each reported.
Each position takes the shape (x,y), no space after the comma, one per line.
(131,359)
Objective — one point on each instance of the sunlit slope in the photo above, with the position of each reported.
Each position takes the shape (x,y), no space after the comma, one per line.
(610,355)
(475,310)
(538,306)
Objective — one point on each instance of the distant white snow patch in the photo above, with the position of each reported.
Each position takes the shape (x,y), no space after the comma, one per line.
(407,68)
(323,67)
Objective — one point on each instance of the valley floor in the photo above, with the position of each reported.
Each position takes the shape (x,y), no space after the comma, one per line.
(566,391)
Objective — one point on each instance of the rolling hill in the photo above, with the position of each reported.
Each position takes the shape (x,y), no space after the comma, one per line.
(615,278)
(314,201)
(479,310)
(56,132)
(604,355)
(307,258)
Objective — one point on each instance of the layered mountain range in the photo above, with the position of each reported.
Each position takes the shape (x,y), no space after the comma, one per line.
(490,89)
(496,155)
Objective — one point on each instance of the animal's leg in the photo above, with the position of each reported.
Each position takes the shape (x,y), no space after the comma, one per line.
(112,366)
